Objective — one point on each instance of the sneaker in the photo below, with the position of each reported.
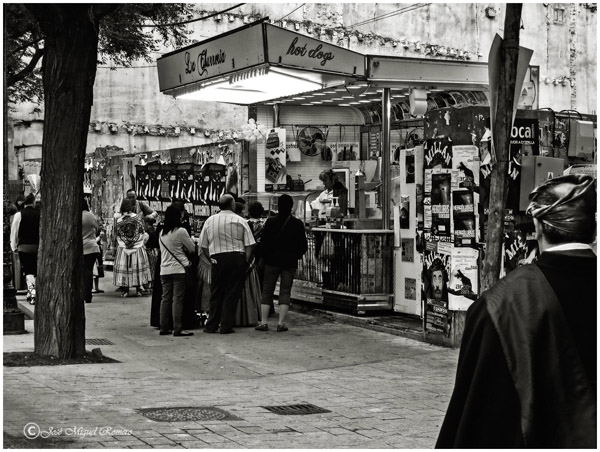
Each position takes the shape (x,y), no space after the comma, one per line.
(264,327)
(281,328)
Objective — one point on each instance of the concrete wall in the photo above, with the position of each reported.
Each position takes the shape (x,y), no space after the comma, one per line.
(129,97)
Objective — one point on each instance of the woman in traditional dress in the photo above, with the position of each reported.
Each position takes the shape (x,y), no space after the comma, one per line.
(248,310)
(131,266)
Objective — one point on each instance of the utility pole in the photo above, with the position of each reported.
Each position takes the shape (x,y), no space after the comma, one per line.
(509,54)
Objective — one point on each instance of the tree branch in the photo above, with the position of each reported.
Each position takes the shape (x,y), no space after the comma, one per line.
(39,53)
(27,44)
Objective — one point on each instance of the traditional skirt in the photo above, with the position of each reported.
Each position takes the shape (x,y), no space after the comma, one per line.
(131,267)
(152,258)
(248,310)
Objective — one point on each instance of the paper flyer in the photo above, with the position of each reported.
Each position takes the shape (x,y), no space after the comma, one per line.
(440,204)
(463,218)
(463,287)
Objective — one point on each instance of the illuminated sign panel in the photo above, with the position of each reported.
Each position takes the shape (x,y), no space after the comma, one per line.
(209,59)
(293,49)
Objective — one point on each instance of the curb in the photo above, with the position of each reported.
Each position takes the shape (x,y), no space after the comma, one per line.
(412,331)
(26,309)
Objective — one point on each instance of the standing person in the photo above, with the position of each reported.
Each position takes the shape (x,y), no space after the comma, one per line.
(174,241)
(333,189)
(25,241)
(17,270)
(90,233)
(140,208)
(131,266)
(248,310)
(227,241)
(526,373)
(283,243)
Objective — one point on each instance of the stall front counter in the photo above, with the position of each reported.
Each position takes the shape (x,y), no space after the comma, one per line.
(349,269)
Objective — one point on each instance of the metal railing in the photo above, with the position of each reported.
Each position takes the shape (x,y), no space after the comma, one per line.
(356,263)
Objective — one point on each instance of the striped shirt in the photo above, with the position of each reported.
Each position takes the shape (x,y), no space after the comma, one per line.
(226,232)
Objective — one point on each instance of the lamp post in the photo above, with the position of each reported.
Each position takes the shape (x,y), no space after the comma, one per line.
(14,319)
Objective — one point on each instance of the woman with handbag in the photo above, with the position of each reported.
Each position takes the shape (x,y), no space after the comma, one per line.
(174,241)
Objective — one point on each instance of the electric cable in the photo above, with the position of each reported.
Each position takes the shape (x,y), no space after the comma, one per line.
(196,19)
(292,12)
(390,14)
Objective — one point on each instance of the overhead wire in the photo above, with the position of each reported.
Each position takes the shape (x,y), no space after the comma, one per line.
(293,11)
(197,18)
(390,14)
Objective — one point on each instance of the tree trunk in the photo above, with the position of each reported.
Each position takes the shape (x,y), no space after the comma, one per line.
(69,70)
(502,126)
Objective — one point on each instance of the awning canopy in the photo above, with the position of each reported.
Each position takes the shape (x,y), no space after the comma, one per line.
(262,63)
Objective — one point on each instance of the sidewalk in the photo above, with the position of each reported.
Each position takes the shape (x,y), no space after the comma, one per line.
(380,390)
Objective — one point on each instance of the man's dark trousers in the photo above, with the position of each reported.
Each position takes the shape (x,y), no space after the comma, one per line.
(227,283)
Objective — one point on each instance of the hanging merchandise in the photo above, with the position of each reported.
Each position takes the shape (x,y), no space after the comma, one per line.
(185,182)
(346,151)
(275,160)
(293,152)
(142,183)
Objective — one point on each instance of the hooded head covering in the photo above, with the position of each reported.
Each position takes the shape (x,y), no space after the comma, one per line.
(567,203)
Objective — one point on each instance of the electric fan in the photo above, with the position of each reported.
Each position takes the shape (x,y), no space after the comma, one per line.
(311,140)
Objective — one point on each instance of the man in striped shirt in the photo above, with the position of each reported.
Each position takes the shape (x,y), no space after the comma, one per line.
(228,242)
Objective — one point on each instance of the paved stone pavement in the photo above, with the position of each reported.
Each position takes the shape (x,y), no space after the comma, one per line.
(382,391)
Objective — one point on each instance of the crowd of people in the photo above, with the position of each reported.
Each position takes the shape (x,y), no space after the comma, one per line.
(225,278)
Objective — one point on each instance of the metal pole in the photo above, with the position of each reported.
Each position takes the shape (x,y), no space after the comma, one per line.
(385,157)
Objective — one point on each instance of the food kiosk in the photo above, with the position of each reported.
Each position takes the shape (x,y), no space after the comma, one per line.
(318,106)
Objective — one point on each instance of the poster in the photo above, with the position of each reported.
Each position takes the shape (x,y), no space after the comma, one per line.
(435,277)
(524,140)
(463,218)
(410,288)
(275,160)
(465,167)
(464,279)
(410,166)
(404,212)
(440,205)
(520,246)
(408,250)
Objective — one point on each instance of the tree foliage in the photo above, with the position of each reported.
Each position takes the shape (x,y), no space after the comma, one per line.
(128,32)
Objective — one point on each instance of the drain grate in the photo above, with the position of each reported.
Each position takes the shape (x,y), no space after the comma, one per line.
(180,414)
(98,342)
(287,410)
